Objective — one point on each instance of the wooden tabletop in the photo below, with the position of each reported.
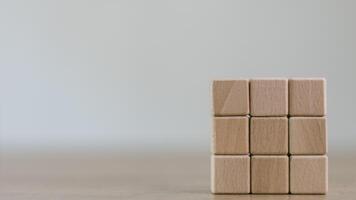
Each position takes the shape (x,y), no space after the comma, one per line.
(138,176)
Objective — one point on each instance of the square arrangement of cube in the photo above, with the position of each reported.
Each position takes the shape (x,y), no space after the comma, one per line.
(269,136)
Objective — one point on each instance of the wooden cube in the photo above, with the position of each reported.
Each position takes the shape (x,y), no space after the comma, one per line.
(231,135)
(308,174)
(230,174)
(269,135)
(308,135)
(307,97)
(269,97)
(270,174)
(231,97)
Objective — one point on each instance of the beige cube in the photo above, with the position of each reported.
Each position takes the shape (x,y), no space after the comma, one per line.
(230,174)
(307,97)
(308,174)
(231,97)
(231,135)
(269,135)
(269,97)
(308,135)
(270,174)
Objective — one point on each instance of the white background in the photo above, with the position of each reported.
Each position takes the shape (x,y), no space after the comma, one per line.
(135,75)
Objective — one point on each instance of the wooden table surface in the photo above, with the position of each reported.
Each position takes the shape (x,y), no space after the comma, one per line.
(138,176)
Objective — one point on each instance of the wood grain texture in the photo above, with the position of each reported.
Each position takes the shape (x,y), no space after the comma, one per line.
(269,135)
(309,174)
(269,174)
(139,176)
(230,174)
(269,97)
(307,97)
(231,97)
(231,135)
(308,135)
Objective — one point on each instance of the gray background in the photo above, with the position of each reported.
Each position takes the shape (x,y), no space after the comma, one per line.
(135,75)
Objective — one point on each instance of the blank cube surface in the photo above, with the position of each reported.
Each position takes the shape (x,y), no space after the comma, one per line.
(308,174)
(231,97)
(269,135)
(230,174)
(269,174)
(231,135)
(307,97)
(269,97)
(308,135)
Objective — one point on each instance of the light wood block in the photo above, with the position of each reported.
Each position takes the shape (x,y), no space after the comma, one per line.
(269,135)
(231,135)
(269,97)
(308,174)
(230,174)
(308,135)
(269,174)
(231,97)
(307,97)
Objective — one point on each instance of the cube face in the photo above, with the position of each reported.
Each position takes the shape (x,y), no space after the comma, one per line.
(270,174)
(231,97)
(308,135)
(308,175)
(269,135)
(231,135)
(307,97)
(269,97)
(230,174)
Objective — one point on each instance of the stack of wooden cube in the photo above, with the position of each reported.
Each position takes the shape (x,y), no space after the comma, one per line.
(269,136)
